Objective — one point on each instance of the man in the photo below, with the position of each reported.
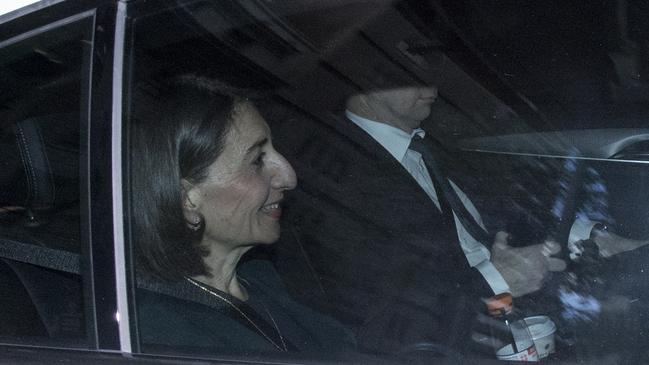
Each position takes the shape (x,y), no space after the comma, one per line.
(393,117)
(369,228)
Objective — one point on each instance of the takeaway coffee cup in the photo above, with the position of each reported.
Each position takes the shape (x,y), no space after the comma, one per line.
(507,353)
(542,330)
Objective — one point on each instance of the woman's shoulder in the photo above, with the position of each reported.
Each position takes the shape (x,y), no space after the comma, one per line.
(168,320)
(177,328)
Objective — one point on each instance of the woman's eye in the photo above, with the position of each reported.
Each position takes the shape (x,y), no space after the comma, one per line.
(259,161)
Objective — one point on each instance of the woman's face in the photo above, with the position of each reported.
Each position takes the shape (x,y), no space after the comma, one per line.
(240,200)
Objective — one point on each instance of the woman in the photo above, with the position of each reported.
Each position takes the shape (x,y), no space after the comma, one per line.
(208,187)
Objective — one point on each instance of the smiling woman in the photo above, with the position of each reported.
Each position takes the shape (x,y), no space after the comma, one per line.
(240,196)
(207,187)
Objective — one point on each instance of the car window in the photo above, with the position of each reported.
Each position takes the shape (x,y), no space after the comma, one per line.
(43,152)
(531,183)
(345,181)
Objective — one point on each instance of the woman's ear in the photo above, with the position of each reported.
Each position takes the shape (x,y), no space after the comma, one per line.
(190,196)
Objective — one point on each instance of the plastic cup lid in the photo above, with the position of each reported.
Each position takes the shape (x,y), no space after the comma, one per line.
(540,326)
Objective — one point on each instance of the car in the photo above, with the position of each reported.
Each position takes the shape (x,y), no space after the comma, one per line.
(542,109)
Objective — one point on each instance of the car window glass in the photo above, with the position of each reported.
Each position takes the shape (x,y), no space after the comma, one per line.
(366,234)
(42,144)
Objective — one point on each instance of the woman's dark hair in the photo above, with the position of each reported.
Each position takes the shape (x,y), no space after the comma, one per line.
(177,131)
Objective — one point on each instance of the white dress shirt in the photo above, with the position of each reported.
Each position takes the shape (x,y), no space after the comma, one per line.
(396,142)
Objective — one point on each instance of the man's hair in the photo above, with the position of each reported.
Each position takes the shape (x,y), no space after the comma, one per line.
(177,130)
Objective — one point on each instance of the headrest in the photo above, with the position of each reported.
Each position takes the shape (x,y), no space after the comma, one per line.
(39,163)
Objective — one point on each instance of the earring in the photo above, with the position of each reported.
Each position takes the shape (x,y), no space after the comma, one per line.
(195,225)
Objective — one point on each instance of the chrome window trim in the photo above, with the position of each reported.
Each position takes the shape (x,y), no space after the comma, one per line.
(122,314)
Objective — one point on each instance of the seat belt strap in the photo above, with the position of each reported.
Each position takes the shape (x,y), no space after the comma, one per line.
(40,256)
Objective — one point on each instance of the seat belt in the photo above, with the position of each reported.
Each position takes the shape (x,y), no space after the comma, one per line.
(428,149)
(46,257)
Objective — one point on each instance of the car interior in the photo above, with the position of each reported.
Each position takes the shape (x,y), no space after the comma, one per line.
(41,187)
(532,173)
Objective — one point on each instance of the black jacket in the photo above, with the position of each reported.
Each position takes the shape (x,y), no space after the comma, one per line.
(180,317)
(362,241)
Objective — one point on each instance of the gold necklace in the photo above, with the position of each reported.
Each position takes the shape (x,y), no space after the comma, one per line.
(231,304)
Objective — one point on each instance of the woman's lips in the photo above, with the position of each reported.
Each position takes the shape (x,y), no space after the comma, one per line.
(274,210)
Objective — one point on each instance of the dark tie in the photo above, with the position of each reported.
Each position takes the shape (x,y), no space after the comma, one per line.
(448,198)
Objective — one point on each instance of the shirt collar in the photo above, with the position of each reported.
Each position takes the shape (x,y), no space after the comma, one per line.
(393,139)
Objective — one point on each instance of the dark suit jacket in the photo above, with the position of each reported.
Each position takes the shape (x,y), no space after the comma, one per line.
(362,241)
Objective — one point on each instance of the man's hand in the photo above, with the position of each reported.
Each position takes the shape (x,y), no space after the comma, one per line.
(524,268)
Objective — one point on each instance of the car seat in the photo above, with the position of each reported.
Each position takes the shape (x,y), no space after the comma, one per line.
(40,225)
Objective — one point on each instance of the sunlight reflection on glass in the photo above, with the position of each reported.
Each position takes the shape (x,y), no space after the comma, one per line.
(7,6)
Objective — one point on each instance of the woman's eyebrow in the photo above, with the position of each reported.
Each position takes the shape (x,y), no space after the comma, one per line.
(257,144)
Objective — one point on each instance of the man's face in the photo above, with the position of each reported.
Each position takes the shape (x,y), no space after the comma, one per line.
(404,107)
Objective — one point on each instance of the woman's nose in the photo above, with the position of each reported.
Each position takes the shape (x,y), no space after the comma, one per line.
(284,176)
